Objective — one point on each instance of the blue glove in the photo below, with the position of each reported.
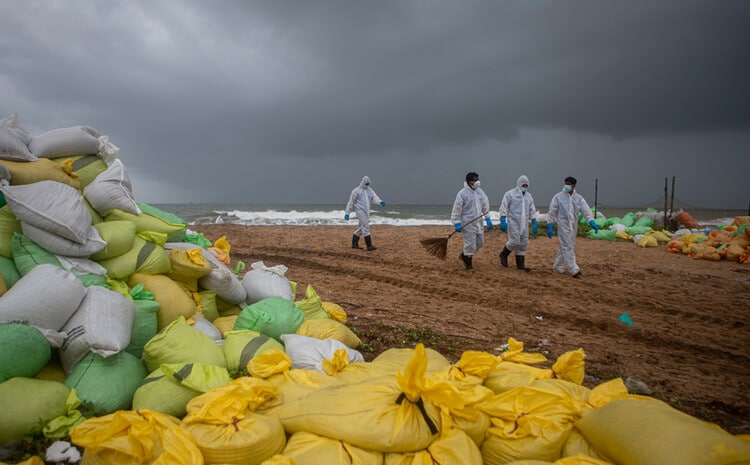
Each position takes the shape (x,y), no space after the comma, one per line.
(382,203)
(458,227)
(534,227)
(489,223)
(346,216)
(593,225)
(550,230)
(503,224)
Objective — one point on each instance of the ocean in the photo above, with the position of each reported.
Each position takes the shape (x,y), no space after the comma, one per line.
(395,215)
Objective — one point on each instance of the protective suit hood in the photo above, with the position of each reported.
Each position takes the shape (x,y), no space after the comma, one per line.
(365,180)
(522,180)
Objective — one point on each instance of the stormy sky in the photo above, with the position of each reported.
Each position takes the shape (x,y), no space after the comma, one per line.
(294,101)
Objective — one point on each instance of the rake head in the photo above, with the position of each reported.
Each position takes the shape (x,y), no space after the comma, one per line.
(437,246)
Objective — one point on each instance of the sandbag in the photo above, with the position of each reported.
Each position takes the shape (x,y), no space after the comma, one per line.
(112,190)
(179,343)
(310,449)
(146,222)
(685,219)
(208,308)
(164,394)
(335,311)
(272,316)
(326,328)
(9,225)
(647,431)
(101,324)
(309,353)
(647,241)
(170,219)
(9,272)
(46,297)
(119,237)
(26,404)
(311,306)
(25,351)
(173,302)
(187,266)
(85,168)
(65,142)
(262,282)
(603,235)
(30,172)
(14,140)
(59,245)
(451,448)
(27,254)
(239,347)
(207,328)
(106,384)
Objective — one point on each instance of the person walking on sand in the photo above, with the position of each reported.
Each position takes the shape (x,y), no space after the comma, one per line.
(563,210)
(470,204)
(360,200)
(516,208)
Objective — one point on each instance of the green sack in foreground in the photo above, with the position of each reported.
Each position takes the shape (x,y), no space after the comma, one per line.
(26,405)
(272,316)
(25,351)
(603,235)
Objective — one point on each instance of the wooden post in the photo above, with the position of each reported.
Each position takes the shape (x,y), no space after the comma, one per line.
(671,204)
(666,196)
(596,193)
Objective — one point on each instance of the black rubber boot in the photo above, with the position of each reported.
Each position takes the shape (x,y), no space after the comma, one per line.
(355,242)
(504,257)
(521,263)
(368,241)
(466,260)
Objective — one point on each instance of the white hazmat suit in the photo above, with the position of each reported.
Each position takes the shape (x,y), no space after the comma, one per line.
(360,201)
(470,204)
(518,207)
(563,210)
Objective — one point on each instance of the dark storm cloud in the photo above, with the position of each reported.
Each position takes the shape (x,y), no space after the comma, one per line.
(231,94)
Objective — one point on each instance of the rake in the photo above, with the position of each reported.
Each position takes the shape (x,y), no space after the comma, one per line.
(438,246)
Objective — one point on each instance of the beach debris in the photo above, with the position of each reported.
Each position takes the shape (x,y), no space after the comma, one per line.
(63,452)
(625,318)
(636,386)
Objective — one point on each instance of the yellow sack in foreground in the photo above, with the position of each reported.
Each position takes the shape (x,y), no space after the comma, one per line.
(311,306)
(387,415)
(310,449)
(135,437)
(644,432)
(452,448)
(227,429)
(326,328)
(335,311)
(647,241)
(516,354)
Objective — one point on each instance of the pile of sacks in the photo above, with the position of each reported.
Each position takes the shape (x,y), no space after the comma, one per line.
(730,242)
(129,335)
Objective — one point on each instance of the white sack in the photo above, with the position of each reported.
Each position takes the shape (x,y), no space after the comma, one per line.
(308,353)
(81,266)
(207,328)
(102,324)
(262,282)
(111,189)
(14,140)
(66,142)
(59,245)
(221,280)
(54,207)
(46,297)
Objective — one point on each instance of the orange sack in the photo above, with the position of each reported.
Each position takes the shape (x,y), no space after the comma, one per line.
(686,220)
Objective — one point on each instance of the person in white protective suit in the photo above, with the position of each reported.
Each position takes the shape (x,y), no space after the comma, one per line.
(563,210)
(516,209)
(470,205)
(360,201)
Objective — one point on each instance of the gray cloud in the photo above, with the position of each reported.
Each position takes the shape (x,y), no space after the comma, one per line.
(293,101)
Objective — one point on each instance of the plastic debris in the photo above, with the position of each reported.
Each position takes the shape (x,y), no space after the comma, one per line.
(625,318)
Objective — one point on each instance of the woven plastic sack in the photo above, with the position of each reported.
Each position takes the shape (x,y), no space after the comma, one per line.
(187,266)
(310,449)
(146,222)
(272,316)
(262,282)
(105,385)
(112,190)
(85,168)
(28,404)
(309,353)
(9,225)
(451,448)
(145,321)
(25,351)
(181,343)
(647,241)
(14,140)
(30,172)
(144,257)
(163,394)
(239,347)
(64,142)
(9,272)
(119,236)
(135,437)
(173,301)
(311,306)
(648,431)
(335,311)
(326,328)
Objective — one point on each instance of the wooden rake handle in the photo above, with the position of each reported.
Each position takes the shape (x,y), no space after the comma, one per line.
(469,222)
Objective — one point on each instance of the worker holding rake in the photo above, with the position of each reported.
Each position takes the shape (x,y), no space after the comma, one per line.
(471,204)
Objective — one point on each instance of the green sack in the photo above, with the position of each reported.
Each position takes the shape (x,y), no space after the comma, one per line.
(272,316)
(145,322)
(9,225)
(9,271)
(119,236)
(603,235)
(163,394)
(27,254)
(27,404)
(179,342)
(25,351)
(198,239)
(629,219)
(635,230)
(645,221)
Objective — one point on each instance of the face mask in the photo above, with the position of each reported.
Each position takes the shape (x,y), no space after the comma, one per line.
(567,188)
(476,184)
(523,189)
(365,186)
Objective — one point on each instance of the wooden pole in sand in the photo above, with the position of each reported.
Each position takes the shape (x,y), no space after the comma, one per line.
(596,193)
(666,196)
(671,202)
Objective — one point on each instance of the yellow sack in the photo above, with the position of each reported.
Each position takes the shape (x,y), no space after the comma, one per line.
(310,449)
(527,423)
(295,384)
(187,267)
(335,311)
(577,446)
(385,415)
(181,343)
(9,225)
(223,245)
(173,301)
(623,235)
(516,354)
(648,431)
(326,328)
(661,236)
(312,307)
(225,324)
(43,169)
(83,167)
(451,448)
(129,437)
(473,364)
(570,366)
(509,375)
(225,427)
(119,236)
(279,460)
(647,241)
(239,347)
(270,362)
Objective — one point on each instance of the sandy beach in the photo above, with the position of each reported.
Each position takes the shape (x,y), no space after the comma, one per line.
(688,343)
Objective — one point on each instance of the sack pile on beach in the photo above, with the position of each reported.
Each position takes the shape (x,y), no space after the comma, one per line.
(129,335)
(730,242)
